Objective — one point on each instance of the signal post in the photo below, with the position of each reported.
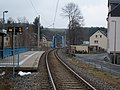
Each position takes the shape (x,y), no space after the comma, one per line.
(14,31)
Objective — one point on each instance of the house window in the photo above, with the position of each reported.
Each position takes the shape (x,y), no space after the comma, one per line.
(96,36)
(6,38)
(100,36)
(96,41)
(5,43)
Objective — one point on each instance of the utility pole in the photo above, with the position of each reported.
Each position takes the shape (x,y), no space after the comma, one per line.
(13,51)
(38,30)
(65,38)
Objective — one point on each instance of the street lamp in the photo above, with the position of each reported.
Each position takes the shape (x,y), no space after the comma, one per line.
(3,35)
(4,17)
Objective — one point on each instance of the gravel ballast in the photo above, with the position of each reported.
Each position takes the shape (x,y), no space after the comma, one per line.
(91,78)
(32,81)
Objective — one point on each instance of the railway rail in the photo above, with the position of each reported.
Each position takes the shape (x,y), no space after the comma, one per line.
(45,82)
(62,76)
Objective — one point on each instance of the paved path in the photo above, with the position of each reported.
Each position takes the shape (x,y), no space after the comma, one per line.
(97,60)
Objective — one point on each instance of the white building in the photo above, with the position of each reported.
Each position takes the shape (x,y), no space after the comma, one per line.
(98,41)
(44,41)
(82,48)
(6,40)
(114,30)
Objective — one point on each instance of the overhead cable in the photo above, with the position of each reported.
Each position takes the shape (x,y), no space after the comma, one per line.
(55,12)
(33,7)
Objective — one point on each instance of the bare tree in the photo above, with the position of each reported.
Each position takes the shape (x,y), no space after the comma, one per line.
(22,20)
(76,20)
(10,20)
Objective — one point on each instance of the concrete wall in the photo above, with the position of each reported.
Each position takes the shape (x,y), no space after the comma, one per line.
(113,34)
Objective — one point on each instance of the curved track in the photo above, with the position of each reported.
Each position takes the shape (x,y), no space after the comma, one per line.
(62,77)
(45,82)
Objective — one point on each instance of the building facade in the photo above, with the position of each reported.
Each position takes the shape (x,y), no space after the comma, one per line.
(81,48)
(114,30)
(6,40)
(98,41)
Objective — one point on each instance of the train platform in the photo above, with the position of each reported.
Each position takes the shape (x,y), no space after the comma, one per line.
(26,61)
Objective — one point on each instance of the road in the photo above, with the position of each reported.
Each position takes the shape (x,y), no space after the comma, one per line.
(98,61)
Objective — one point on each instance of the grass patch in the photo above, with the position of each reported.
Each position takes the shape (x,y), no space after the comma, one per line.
(6,84)
(112,80)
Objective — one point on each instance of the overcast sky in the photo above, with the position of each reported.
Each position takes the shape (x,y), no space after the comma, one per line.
(93,11)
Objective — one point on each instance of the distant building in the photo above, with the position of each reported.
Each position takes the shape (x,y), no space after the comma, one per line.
(114,30)
(1,34)
(6,40)
(98,41)
(86,42)
(44,41)
(81,48)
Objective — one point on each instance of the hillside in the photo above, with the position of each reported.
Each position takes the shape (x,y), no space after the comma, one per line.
(82,34)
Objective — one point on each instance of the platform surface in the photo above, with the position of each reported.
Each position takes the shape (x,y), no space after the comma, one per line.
(24,61)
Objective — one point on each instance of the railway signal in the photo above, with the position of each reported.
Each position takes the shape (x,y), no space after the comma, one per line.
(10,29)
(17,30)
(14,31)
(20,29)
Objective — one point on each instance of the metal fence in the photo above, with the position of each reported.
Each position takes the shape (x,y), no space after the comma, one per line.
(10,57)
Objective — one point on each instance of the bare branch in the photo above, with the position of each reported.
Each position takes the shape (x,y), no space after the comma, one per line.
(76,20)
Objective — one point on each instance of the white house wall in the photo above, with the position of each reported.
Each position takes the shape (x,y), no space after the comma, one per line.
(92,39)
(102,42)
(113,22)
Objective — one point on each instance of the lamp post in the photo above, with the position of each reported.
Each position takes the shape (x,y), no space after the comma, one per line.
(3,35)
(114,42)
(4,17)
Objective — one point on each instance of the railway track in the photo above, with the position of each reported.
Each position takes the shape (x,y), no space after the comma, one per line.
(45,82)
(62,77)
